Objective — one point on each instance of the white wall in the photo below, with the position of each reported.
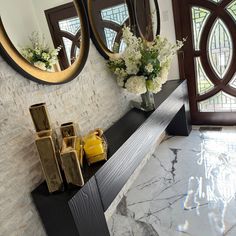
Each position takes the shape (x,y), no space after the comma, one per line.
(91,100)
(19,20)
(168,30)
(28,17)
(40,6)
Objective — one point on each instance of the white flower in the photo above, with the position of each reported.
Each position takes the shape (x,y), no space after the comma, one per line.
(154,85)
(54,52)
(149,68)
(120,72)
(53,61)
(132,68)
(136,84)
(45,56)
(164,74)
(139,56)
(40,65)
(130,39)
(132,53)
(127,34)
(37,51)
(120,81)
(132,58)
(30,55)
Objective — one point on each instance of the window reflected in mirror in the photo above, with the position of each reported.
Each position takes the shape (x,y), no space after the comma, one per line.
(119,16)
(108,17)
(64,25)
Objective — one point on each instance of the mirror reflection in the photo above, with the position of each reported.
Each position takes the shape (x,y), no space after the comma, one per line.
(108,17)
(46,33)
(147,18)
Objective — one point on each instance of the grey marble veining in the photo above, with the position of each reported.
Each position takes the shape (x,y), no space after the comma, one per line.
(188,187)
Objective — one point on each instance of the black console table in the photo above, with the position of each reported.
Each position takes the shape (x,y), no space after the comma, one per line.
(80,212)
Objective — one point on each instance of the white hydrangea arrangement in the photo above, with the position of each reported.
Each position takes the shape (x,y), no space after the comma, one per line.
(143,66)
(39,54)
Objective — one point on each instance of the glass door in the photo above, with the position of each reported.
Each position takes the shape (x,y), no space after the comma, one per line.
(209,58)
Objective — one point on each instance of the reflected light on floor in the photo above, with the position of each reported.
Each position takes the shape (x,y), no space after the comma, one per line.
(217,185)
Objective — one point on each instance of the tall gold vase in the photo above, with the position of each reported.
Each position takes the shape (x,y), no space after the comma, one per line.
(46,147)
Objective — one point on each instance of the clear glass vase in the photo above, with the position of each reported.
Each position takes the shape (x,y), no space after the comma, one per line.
(148,103)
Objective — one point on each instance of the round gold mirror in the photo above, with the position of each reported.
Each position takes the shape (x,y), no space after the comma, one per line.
(46,41)
(108,17)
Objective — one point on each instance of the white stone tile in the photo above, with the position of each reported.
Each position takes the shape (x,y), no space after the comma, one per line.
(188,187)
(91,100)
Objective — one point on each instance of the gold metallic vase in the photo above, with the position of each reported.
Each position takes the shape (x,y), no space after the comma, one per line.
(68,129)
(72,160)
(48,160)
(46,147)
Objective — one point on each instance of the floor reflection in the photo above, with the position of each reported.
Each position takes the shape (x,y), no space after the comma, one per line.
(218,186)
(187,188)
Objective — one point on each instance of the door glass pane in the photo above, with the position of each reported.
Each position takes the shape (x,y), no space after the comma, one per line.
(199,18)
(118,14)
(110,38)
(67,44)
(232,9)
(232,83)
(204,85)
(71,25)
(221,102)
(220,48)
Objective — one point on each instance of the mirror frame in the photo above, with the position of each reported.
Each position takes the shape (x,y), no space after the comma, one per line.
(21,65)
(99,44)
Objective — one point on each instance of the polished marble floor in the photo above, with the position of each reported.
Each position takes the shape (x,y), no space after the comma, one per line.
(188,187)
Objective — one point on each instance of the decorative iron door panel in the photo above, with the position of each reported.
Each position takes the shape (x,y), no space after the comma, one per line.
(209,61)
